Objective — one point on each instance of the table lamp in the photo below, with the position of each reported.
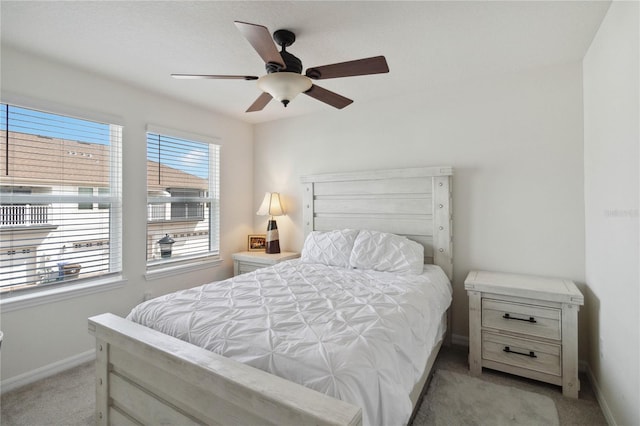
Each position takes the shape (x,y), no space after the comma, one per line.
(271,207)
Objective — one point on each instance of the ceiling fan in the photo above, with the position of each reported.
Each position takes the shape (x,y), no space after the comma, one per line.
(284,79)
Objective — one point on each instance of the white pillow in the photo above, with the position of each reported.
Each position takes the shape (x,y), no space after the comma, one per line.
(331,248)
(386,252)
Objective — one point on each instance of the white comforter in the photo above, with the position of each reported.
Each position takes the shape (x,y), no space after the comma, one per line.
(360,336)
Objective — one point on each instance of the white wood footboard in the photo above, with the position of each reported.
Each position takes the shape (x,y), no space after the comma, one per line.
(146,377)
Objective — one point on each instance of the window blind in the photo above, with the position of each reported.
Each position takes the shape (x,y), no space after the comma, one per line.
(182,198)
(60,198)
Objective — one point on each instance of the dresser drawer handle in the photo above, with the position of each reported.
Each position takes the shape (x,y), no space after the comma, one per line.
(531,354)
(509,317)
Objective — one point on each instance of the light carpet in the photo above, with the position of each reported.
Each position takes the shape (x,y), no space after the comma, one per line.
(458,399)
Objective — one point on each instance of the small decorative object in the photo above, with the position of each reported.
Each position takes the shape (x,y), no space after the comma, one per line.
(256,242)
(165,245)
(68,270)
(271,206)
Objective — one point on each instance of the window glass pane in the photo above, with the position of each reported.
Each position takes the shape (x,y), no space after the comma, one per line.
(85,191)
(182,197)
(50,232)
(104,193)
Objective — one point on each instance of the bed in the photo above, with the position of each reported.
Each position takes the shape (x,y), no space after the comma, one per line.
(148,376)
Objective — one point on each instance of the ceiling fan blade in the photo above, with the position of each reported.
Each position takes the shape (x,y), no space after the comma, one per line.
(260,103)
(374,65)
(260,38)
(210,76)
(328,97)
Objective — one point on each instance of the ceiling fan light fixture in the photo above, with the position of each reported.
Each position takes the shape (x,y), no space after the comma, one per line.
(284,86)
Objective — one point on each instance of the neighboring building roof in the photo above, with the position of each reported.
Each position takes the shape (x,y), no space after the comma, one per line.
(42,161)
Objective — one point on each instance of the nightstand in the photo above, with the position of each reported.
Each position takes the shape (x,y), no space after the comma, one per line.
(525,325)
(248,261)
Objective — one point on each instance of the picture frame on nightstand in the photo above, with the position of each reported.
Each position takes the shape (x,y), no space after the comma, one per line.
(256,242)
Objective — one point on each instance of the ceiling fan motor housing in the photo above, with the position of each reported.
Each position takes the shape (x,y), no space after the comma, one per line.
(292,62)
(285,38)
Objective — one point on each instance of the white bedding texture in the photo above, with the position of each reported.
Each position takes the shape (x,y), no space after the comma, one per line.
(381,251)
(361,336)
(331,248)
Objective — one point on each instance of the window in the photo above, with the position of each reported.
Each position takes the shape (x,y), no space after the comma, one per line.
(182,198)
(187,210)
(85,191)
(50,232)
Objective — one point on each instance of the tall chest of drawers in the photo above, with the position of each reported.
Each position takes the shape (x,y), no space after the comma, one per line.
(525,325)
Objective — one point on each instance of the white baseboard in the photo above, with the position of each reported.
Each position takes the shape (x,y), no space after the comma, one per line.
(606,411)
(46,371)
(459,340)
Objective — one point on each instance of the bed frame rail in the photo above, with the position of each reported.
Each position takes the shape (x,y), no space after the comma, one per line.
(146,377)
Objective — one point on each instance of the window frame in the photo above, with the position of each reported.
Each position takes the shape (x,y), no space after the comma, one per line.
(112,277)
(157,268)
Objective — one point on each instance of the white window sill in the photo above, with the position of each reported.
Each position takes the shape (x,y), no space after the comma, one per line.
(171,268)
(44,295)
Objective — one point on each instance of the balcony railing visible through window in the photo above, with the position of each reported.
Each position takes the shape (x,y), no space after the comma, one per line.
(60,198)
(25,215)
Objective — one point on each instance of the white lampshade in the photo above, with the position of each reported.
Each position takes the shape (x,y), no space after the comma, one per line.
(284,86)
(270,205)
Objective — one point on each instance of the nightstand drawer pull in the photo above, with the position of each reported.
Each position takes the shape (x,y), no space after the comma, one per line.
(509,317)
(531,354)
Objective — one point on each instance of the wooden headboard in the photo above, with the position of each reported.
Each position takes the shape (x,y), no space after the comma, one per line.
(414,202)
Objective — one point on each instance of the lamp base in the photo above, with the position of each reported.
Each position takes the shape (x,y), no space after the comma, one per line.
(272,240)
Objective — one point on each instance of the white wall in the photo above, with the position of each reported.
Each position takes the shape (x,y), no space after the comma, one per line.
(515,142)
(611,158)
(38,337)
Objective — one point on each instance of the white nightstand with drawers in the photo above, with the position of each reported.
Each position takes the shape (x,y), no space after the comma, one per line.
(248,261)
(525,325)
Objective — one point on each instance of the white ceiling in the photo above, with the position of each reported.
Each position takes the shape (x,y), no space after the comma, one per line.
(425,43)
